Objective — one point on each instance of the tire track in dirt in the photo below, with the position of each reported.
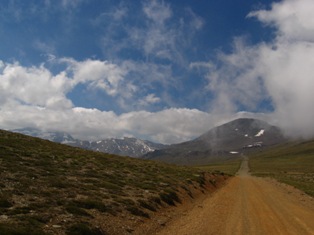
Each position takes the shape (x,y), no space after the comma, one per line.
(247,205)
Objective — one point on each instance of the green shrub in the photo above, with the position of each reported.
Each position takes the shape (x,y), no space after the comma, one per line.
(125,201)
(135,211)
(83,229)
(157,200)
(145,205)
(170,197)
(4,203)
(93,204)
(9,229)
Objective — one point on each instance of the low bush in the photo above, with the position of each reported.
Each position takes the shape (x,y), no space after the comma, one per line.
(5,203)
(170,197)
(145,205)
(10,229)
(83,229)
(135,211)
(77,211)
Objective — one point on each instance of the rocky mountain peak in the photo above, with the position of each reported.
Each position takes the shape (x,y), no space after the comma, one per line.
(222,142)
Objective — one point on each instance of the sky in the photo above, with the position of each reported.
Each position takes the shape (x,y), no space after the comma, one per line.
(161,70)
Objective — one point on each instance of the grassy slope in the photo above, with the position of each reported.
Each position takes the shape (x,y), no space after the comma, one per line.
(56,189)
(291,163)
(229,167)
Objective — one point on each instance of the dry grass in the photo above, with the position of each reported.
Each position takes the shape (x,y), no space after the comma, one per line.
(228,167)
(291,163)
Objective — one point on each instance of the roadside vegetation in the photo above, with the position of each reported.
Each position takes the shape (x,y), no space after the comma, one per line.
(290,163)
(49,188)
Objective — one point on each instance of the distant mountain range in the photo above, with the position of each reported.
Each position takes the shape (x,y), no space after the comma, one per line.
(125,147)
(220,143)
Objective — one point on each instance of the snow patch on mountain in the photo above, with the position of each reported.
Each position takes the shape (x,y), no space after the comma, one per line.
(260,133)
(233,152)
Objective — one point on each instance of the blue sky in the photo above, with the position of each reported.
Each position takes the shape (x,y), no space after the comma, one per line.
(166,36)
(160,70)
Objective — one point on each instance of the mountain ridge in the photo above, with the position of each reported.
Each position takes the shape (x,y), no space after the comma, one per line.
(223,142)
(126,146)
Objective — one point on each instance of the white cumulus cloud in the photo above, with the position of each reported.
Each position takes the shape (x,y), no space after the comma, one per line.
(99,74)
(293,20)
(33,86)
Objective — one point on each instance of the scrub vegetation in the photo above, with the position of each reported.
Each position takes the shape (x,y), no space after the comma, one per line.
(49,188)
(290,163)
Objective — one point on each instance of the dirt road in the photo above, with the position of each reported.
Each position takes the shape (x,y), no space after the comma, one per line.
(248,205)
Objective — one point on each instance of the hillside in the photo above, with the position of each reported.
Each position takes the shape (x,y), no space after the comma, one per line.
(221,143)
(291,163)
(50,188)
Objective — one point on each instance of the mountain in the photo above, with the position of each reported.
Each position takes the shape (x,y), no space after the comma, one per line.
(220,143)
(124,147)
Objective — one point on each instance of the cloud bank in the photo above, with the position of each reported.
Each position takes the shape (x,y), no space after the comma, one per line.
(279,72)
(35,97)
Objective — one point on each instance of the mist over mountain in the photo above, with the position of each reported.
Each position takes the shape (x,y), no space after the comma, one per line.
(54,136)
(227,141)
